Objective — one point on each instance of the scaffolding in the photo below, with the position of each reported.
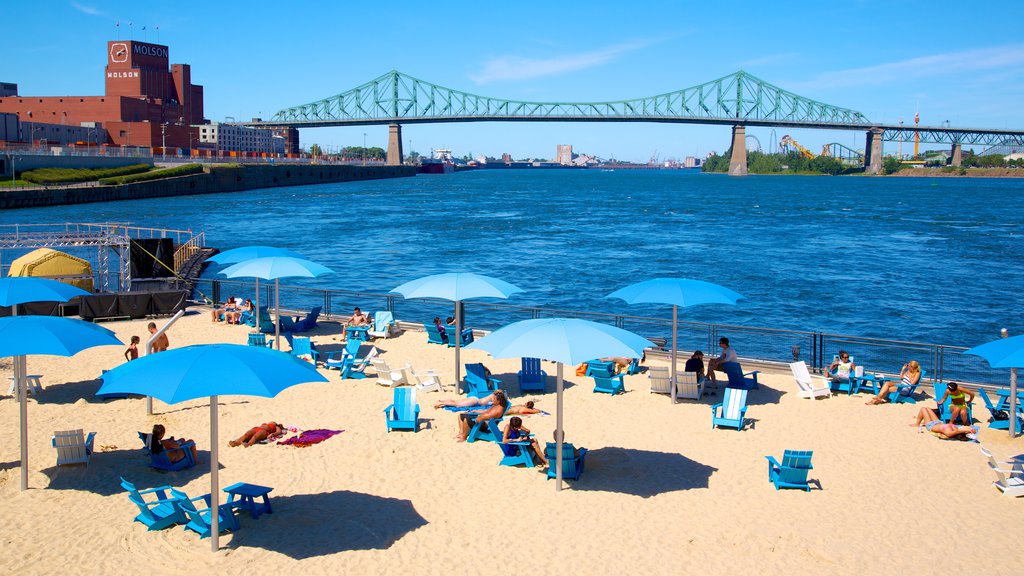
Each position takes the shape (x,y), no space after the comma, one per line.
(111,240)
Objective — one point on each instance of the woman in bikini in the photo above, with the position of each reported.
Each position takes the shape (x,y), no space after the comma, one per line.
(957,402)
(927,418)
(910,376)
(265,431)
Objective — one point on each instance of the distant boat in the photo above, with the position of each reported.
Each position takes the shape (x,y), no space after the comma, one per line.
(440,162)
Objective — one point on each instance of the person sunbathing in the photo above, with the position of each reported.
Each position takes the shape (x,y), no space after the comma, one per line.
(910,375)
(158,444)
(513,432)
(468,402)
(265,431)
(929,420)
(523,409)
(468,420)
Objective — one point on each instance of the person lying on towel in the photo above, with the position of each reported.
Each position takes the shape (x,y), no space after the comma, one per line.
(266,431)
(929,420)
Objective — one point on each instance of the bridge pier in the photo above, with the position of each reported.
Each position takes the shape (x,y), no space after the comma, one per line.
(957,155)
(873,151)
(738,162)
(394,144)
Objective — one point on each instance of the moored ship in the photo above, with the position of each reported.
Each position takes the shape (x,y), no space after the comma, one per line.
(440,162)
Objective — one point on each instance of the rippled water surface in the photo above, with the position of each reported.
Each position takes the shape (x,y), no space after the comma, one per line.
(939,260)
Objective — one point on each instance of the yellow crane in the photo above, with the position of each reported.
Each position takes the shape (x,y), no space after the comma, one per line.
(788,140)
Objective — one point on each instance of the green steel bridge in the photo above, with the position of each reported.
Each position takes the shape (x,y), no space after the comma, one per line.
(737,100)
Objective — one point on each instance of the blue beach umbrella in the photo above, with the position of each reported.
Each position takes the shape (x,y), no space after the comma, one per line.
(677,292)
(16,290)
(457,286)
(565,341)
(236,255)
(210,370)
(1005,353)
(21,336)
(274,268)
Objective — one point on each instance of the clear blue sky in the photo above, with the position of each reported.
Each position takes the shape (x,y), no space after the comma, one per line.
(954,61)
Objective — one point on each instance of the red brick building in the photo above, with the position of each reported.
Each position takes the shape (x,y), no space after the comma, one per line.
(143,94)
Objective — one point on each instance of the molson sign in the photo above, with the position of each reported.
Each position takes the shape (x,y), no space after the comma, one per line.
(149,50)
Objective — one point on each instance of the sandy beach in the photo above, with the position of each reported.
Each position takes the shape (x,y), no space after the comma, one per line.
(663,493)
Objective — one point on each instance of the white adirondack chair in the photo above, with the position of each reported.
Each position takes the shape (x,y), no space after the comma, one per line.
(809,386)
(427,380)
(366,361)
(387,376)
(72,446)
(661,379)
(688,387)
(1010,482)
(1014,463)
(383,325)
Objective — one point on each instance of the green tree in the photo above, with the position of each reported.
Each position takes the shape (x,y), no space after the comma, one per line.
(826,165)
(314,150)
(891,165)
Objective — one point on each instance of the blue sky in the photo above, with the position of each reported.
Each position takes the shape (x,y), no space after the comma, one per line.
(954,61)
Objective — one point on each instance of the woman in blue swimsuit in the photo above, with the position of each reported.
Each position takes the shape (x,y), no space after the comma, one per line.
(515,430)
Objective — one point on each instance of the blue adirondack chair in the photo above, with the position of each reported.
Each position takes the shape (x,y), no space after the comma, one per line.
(478,385)
(516,453)
(404,412)
(609,385)
(634,367)
(488,430)
(259,339)
(309,322)
(995,423)
(944,407)
(303,346)
(198,519)
(849,385)
(435,336)
(531,377)
(247,317)
(287,324)
(599,368)
(266,322)
(340,358)
(467,338)
(904,395)
(162,461)
(731,411)
(572,463)
(155,514)
(792,473)
(738,378)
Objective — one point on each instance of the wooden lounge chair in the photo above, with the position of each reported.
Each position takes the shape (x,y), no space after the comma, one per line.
(688,387)
(609,384)
(661,379)
(809,386)
(199,519)
(731,412)
(572,462)
(792,472)
(488,430)
(434,336)
(162,461)
(478,384)
(404,412)
(72,446)
(531,377)
(158,513)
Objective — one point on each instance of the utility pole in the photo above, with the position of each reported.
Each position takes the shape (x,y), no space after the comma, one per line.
(163,141)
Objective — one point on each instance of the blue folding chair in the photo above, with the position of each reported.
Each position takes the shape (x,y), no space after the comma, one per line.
(531,377)
(792,472)
(404,412)
(732,411)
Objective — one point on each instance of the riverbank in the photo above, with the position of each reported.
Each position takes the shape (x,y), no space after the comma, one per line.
(968,173)
(216,180)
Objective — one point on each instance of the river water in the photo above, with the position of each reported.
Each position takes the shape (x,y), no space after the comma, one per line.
(934,260)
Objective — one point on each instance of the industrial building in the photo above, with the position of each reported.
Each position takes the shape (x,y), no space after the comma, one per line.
(231,137)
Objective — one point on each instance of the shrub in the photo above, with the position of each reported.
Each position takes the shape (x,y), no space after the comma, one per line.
(183,170)
(70,175)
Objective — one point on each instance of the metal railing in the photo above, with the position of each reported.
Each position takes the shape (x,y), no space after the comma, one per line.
(188,249)
(765,345)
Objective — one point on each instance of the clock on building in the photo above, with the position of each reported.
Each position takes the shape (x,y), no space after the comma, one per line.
(119,52)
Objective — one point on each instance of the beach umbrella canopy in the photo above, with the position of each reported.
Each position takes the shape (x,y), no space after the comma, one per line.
(457,286)
(236,255)
(21,289)
(21,336)
(274,268)
(1004,353)
(679,292)
(210,370)
(565,341)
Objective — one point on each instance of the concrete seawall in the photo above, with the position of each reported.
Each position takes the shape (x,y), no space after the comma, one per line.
(218,179)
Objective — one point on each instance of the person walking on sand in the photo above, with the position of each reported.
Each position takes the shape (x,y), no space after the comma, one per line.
(132,352)
(161,344)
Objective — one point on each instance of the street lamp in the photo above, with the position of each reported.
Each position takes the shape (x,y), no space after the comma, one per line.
(364,148)
(899,153)
(163,141)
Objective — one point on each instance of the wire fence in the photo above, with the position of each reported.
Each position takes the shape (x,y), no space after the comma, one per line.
(769,345)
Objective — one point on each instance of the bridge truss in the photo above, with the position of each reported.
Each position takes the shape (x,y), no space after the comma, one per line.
(399,98)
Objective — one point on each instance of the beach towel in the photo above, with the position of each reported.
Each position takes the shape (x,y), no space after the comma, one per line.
(467,408)
(309,437)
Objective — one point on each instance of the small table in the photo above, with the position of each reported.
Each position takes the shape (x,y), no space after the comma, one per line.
(874,382)
(247,494)
(1004,398)
(357,332)
(32,385)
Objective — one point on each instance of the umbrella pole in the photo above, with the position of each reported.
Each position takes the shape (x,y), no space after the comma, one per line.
(277,313)
(558,430)
(256,315)
(1013,403)
(214,480)
(20,366)
(458,346)
(675,349)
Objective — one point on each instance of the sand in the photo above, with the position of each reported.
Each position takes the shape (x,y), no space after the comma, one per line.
(663,493)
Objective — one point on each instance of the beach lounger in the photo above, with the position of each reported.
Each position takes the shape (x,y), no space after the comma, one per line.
(1000,419)
(350,353)
(572,464)
(792,472)
(531,377)
(516,453)
(404,412)
(434,336)
(739,379)
(944,408)
(599,368)
(309,322)
(162,461)
(158,513)
(467,338)
(661,379)
(72,446)
(609,385)
(387,376)
(266,323)
(259,339)
(488,430)
(809,386)
(1015,463)
(198,519)
(731,411)
(688,387)
(383,324)
(287,324)
(478,385)
(426,380)
(356,368)
(303,346)
(1009,481)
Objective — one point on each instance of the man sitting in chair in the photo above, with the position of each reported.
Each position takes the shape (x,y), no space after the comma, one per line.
(728,355)
(358,318)
(468,420)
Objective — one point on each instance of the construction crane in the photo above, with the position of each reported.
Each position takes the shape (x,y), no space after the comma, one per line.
(788,140)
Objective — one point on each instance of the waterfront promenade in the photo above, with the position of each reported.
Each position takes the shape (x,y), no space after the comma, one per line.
(663,493)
